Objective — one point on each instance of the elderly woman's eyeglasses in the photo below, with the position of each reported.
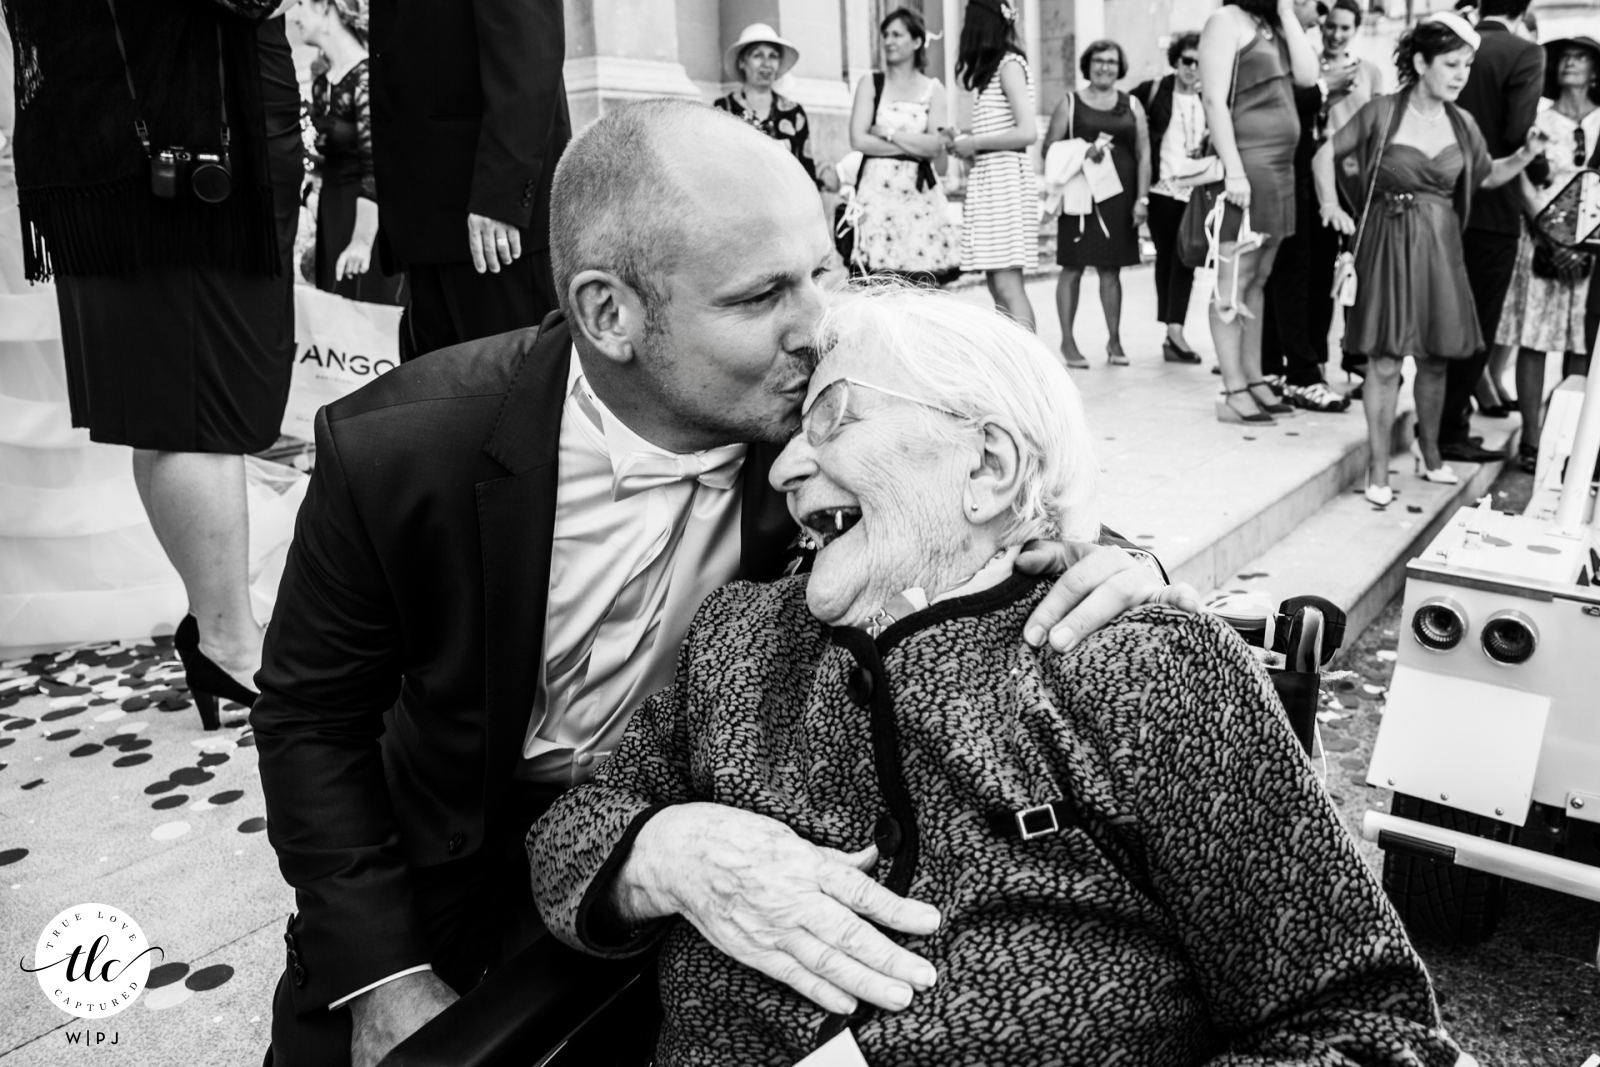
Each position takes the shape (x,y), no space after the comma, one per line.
(821,420)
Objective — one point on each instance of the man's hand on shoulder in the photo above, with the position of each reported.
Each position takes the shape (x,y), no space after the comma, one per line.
(492,243)
(1100,583)
(382,1018)
(763,895)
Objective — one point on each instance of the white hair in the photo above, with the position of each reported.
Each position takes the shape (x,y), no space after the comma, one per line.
(980,364)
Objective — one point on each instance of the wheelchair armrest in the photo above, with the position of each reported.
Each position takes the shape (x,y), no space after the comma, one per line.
(522,1011)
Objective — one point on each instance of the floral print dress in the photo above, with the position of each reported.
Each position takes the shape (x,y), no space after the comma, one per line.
(785,121)
(902,229)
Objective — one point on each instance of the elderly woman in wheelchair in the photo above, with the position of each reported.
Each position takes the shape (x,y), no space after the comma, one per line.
(1117,855)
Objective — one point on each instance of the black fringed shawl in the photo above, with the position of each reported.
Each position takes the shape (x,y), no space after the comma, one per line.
(83,179)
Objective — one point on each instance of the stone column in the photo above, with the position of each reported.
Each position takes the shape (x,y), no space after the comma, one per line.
(621,50)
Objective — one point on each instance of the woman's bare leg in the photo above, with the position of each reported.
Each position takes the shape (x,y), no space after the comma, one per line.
(1429,392)
(1111,304)
(196,504)
(1238,343)
(1067,308)
(1006,287)
(1379,397)
(1491,390)
(1253,296)
(1530,395)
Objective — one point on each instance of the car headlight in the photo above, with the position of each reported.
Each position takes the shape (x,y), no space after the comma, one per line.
(1509,638)
(1439,624)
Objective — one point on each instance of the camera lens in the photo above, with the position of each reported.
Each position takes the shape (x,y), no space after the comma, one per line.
(1509,638)
(1439,625)
(211,182)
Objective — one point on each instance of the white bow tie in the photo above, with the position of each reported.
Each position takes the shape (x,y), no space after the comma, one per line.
(715,468)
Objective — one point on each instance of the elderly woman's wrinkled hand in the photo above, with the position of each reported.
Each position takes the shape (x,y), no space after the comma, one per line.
(1101,582)
(775,902)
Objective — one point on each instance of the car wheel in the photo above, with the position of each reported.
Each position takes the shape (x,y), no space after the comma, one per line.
(1439,901)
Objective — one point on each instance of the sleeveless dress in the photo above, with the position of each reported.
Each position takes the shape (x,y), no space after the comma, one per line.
(342,118)
(902,230)
(1000,221)
(1266,128)
(1107,238)
(1413,298)
(1546,314)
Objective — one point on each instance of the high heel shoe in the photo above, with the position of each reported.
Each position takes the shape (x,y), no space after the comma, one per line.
(1116,359)
(1274,406)
(206,680)
(1173,354)
(1380,496)
(1440,475)
(1226,412)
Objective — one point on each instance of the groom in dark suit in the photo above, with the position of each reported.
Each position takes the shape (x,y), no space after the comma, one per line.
(1502,94)
(502,548)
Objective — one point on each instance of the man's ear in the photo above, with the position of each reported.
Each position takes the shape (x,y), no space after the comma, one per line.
(995,476)
(607,313)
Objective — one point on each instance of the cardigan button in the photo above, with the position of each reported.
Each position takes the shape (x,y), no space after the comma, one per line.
(453,845)
(299,975)
(887,836)
(859,686)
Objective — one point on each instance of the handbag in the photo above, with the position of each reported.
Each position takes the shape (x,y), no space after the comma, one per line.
(1555,263)
(1192,242)
(1345,283)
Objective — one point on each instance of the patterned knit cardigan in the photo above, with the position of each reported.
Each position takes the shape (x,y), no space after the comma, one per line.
(1202,902)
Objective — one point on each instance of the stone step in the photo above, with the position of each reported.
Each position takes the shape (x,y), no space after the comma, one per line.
(1355,554)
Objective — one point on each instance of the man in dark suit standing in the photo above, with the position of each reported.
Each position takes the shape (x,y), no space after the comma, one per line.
(1502,94)
(1298,310)
(501,550)
(469,116)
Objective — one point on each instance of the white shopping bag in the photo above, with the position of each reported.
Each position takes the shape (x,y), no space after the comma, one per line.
(340,345)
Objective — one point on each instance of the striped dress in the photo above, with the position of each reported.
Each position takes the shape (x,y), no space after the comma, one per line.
(1000,221)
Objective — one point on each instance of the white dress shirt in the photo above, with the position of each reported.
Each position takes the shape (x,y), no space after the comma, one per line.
(628,570)
(642,535)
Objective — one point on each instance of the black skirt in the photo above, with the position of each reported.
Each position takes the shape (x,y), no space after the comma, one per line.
(192,359)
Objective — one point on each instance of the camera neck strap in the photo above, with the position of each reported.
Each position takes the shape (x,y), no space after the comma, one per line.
(139,126)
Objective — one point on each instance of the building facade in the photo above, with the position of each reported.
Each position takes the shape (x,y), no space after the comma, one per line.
(620,50)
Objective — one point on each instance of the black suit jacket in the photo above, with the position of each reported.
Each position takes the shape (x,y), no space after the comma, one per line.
(469,114)
(400,666)
(1502,94)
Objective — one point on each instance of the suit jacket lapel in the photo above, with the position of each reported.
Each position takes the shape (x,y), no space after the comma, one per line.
(516,525)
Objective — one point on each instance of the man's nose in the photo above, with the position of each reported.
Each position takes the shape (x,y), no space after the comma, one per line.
(794,464)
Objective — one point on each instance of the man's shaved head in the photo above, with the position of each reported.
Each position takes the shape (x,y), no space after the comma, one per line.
(691,256)
(641,184)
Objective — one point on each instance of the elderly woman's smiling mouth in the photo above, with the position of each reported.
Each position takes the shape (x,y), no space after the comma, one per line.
(913,470)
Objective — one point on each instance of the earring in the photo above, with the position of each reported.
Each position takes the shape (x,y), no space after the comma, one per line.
(974,507)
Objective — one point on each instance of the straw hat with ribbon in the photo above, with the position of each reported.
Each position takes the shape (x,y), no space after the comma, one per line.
(1552,65)
(759,33)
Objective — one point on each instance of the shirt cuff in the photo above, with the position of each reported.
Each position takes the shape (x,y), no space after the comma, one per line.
(348,997)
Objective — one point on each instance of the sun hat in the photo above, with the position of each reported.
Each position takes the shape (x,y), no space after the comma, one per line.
(759,33)
(1458,26)
(1552,64)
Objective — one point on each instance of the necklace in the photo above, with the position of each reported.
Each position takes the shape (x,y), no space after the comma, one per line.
(1435,117)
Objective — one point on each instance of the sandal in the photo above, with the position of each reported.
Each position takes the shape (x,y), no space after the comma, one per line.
(1226,412)
(1117,359)
(1528,458)
(1271,407)
(1076,361)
